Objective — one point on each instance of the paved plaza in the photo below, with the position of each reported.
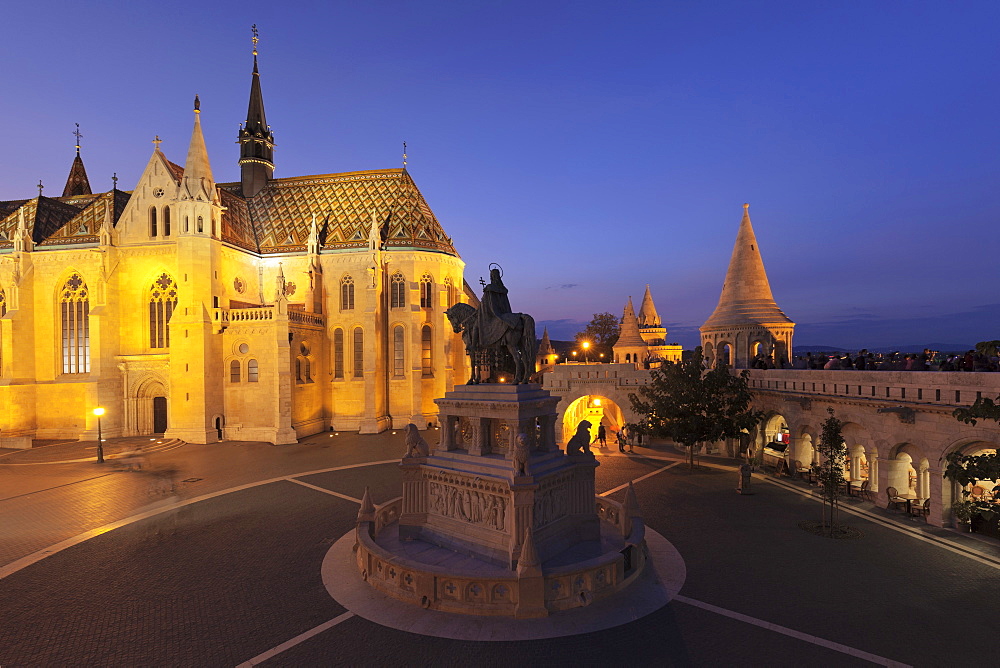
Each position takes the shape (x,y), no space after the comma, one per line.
(105,567)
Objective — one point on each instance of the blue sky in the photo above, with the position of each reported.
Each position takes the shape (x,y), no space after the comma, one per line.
(590,148)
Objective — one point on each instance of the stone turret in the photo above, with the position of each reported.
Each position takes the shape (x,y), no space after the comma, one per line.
(630,347)
(652,331)
(547,355)
(747,322)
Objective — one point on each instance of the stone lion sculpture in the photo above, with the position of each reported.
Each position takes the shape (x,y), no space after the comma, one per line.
(580,443)
(416,446)
(522,452)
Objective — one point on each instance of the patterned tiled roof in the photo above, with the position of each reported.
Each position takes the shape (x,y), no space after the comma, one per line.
(63,220)
(282,213)
(237,227)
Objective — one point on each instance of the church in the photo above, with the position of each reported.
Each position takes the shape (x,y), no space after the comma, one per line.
(266,309)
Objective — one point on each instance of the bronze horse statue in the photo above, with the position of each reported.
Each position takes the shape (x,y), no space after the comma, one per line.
(516,335)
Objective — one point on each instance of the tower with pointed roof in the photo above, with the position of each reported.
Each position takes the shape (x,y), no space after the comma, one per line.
(547,355)
(642,338)
(255,138)
(747,322)
(630,348)
(650,327)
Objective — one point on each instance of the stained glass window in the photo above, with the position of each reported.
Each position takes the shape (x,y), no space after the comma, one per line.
(74,307)
(162,302)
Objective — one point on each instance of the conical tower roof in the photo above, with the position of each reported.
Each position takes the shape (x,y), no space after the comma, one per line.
(197,181)
(647,312)
(545,347)
(77,183)
(746,295)
(629,333)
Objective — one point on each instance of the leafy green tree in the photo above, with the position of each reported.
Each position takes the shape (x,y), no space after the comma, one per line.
(691,405)
(984,408)
(833,448)
(602,334)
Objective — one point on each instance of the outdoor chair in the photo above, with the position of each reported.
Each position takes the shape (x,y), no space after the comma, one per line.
(800,471)
(978,493)
(895,500)
(923,509)
(865,491)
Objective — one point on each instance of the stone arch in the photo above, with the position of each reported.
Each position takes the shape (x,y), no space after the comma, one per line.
(969,445)
(596,409)
(858,462)
(725,353)
(140,417)
(803,449)
(708,351)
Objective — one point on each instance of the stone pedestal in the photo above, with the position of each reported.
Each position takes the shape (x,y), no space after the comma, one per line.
(480,491)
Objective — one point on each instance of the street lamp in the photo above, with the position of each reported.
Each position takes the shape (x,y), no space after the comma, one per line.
(586,347)
(100,446)
(574,355)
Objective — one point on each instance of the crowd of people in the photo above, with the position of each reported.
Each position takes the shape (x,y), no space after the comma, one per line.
(928,360)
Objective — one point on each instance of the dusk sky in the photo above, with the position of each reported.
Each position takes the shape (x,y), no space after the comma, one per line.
(589,148)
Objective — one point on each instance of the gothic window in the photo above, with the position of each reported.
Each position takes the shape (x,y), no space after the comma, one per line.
(397,351)
(426,291)
(451,291)
(187,224)
(152,221)
(234,371)
(308,370)
(347,294)
(166,221)
(298,370)
(162,302)
(338,353)
(252,371)
(359,352)
(201,224)
(426,358)
(397,288)
(74,306)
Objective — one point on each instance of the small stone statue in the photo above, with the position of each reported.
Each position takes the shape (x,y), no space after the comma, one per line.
(521,454)
(580,443)
(416,446)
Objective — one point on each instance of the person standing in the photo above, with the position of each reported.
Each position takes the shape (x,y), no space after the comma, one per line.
(602,436)
(621,440)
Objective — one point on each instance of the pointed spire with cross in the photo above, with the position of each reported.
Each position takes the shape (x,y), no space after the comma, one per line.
(156,143)
(40,187)
(78,134)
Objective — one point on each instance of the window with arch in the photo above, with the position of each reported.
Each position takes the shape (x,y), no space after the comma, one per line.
(253,371)
(338,353)
(347,294)
(450,287)
(398,351)
(201,224)
(397,291)
(298,370)
(308,370)
(234,371)
(359,352)
(426,291)
(166,221)
(74,309)
(426,352)
(162,302)
(152,221)
(187,224)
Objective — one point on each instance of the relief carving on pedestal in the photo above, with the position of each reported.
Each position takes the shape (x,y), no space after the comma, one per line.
(472,506)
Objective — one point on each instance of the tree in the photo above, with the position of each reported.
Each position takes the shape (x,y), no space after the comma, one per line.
(984,408)
(833,449)
(602,333)
(691,405)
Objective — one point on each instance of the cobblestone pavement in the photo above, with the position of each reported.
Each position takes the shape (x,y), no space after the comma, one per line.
(226,579)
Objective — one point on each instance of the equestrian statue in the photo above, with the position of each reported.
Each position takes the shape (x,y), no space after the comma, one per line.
(493,328)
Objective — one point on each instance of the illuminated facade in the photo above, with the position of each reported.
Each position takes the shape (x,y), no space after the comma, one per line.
(642,339)
(262,310)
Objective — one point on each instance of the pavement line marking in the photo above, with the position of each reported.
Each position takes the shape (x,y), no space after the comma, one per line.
(302,637)
(888,524)
(323,489)
(65,484)
(648,475)
(784,630)
(35,557)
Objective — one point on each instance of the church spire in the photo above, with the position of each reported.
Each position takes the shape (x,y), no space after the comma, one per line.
(198,182)
(77,183)
(629,332)
(746,295)
(255,138)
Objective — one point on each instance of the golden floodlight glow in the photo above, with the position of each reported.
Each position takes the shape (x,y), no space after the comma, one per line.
(586,345)
(98,412)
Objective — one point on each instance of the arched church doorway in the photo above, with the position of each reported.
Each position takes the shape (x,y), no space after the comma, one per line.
(159,415)
(219,423)
(596,410)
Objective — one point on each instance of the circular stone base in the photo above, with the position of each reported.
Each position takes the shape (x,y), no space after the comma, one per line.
(662,578)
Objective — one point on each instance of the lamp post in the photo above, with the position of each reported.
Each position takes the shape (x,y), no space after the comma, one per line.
(586,348)
(574,356)
(100,445)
